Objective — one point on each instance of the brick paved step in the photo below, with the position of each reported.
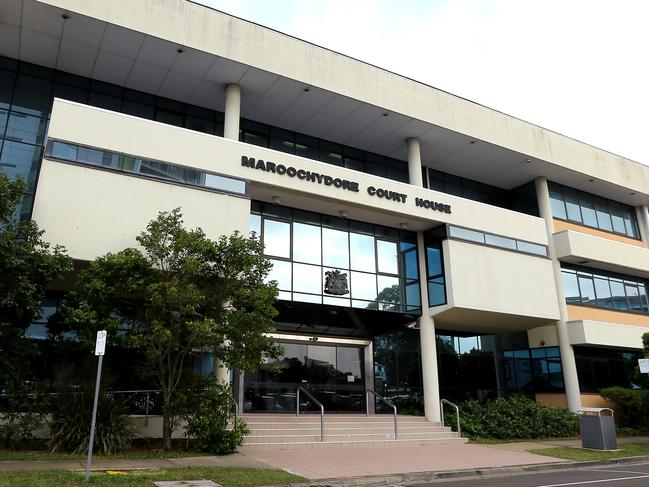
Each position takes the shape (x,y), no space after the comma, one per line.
(341,437)
(353,444)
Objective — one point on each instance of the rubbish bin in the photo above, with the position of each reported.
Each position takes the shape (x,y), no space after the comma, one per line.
(597,428)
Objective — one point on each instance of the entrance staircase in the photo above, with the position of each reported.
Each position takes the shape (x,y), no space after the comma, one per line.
(283,431)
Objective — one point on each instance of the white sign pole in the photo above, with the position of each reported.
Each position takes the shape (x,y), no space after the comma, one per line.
(100,349)
(644,365)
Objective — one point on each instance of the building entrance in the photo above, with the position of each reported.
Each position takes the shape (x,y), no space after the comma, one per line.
(333,373)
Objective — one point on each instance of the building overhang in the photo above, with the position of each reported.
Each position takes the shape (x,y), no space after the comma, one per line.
(188,52)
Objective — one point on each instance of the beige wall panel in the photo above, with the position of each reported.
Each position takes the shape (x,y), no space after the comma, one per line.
(122,133)
(605,334)
(543,336)
(92,212)
(572,246)
(192,25)
(559,400)
(500,281)
(560,226)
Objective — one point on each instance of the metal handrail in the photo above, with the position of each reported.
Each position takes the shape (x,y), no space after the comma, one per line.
(297,409)
(457,413)
(236,406)
(394,408)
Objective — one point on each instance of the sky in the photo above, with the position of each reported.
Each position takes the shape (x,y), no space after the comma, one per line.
(577,67)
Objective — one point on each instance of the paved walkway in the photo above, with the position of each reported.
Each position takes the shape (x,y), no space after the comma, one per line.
(345,462)
(328,463)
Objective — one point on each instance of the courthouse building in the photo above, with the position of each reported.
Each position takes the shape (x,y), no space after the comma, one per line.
(425,246)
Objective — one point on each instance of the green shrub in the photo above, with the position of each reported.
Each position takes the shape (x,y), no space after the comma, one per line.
(631,407)
(517,417)
(71,419)
(17,429)
(207,421)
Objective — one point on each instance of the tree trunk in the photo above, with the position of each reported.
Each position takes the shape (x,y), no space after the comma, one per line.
(166,423)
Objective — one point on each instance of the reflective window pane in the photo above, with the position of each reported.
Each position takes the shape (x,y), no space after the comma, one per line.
(33,96)
(572,205)
(387,257)
(413,295)
(633,297)
(362,252)
(307,298)
(20,160)
(434,261)
(277,238)
(587,290)
(618,295)
(26,128)
(281,272)
(531,248)
(603,293)
(3,121)
(307,279)
(557,204)
(388,290)
(466,234)
(363,286)
(306,243)
(7,79)
(588,209)
(497,241)
(570,287)
(603,214)
(411,264)
(617,218)
(255,224)
(436,295)
(335,248)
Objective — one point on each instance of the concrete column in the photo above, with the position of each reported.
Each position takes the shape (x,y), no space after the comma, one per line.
(220,370)
(568,363)
(642,215)
(232,112)
(414,162)
(428,343)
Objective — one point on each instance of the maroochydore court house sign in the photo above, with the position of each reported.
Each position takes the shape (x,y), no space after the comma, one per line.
(343,184)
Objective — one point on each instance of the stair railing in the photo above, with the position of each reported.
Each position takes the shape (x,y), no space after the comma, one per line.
(457,414)
(236,405)
(310,396)
(380,397)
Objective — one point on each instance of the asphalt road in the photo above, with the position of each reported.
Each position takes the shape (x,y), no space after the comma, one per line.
(628,475)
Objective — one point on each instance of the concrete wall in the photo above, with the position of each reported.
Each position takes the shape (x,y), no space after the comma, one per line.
(123,133)
(92,212)
(500,281)
(605,334)
(543,336)
(192,25)
(602,252)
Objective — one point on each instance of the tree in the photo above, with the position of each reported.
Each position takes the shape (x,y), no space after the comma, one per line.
(182,293)
(28,264)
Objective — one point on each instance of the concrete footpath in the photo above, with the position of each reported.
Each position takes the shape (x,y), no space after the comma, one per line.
(359,466)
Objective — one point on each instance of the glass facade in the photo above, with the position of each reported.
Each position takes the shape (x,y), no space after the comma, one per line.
(602,289)
(333,374)
(324,151)
(327,260)
(599,367)
(148,168)
(593,211)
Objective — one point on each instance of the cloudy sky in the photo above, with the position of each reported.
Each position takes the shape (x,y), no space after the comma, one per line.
(578,67)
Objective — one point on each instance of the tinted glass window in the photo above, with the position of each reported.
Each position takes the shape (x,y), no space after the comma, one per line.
(277,238)
(335,248)
(387,257)
(32,96)
(362,252)
(306,243)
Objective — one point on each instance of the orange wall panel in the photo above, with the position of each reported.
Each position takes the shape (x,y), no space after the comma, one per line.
(560,225)
(576,312)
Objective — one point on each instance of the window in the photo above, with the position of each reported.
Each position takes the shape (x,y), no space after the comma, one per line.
(592,211)
(496,241)
(604,290)
(377,265)
(125,163)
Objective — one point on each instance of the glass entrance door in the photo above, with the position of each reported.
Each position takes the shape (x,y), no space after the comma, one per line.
(334,374)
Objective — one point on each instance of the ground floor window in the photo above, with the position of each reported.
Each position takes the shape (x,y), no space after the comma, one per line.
(598,368)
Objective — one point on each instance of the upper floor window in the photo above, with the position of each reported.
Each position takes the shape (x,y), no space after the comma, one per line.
(605,289)
(593,211)
(327,260)
(321,150)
